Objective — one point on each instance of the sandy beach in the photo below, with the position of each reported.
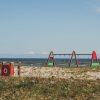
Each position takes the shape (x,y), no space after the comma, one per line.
(57,72)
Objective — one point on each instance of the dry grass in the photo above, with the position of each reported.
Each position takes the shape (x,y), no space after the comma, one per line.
(48,89)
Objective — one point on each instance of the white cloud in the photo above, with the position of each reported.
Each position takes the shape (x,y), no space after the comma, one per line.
(98,9)
(30,52)
(45,53)
(38,53)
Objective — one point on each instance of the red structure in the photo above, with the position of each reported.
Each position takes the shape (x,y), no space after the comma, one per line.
(94,56)
(94,59)
(0,67)
(7,69)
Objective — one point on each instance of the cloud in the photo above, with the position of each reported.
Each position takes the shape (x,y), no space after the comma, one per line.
(34,53)
(98,9)
(45,53)
(30,52)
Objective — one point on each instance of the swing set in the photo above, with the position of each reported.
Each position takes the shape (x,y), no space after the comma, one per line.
(93,60)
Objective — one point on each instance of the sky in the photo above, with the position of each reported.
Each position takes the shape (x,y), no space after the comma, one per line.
(39,26)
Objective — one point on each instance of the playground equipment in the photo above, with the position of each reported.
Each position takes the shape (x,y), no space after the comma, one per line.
(50,61)
(73,55)
(93,60)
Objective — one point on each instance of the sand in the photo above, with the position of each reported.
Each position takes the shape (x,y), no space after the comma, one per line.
(57,72)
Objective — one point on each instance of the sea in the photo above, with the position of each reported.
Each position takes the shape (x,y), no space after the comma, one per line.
(43,61)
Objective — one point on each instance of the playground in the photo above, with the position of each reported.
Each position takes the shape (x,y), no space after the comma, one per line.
(51,81)
(51,67)
(73,59)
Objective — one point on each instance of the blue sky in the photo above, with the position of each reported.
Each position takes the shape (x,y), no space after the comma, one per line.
(39,26)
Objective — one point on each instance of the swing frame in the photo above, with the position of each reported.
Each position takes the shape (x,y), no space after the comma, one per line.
(73,55)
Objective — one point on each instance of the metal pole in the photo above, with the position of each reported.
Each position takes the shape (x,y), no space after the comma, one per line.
(19,70)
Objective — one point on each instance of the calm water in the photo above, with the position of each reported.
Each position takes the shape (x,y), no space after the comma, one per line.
(41,62)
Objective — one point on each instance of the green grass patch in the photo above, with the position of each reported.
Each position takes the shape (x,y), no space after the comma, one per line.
(48,89)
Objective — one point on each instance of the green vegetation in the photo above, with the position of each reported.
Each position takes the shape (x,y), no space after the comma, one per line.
(48,89)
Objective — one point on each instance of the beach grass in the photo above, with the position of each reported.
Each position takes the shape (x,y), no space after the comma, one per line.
(18,88)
